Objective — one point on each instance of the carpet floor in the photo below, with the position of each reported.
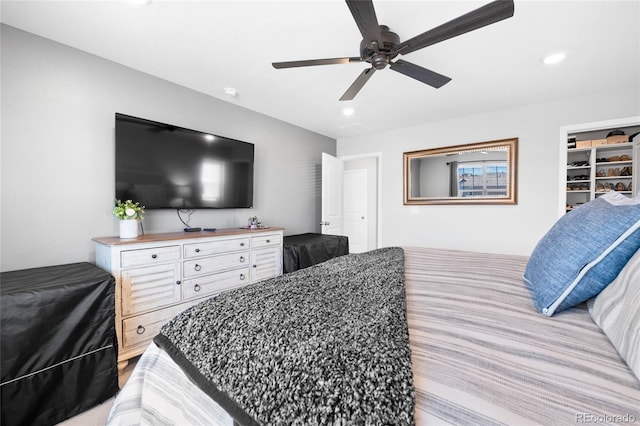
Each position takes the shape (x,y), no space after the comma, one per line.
(97,416)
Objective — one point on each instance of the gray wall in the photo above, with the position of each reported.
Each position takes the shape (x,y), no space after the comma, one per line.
(498,229)
(57,152)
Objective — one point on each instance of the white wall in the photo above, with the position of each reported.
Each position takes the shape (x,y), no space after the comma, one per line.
(57,152)
(498,229)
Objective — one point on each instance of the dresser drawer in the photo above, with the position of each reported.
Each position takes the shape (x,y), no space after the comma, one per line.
(145,289)
(143,328)
(149,256)
(267,240)
(215,247)
(209,265)
(214,284)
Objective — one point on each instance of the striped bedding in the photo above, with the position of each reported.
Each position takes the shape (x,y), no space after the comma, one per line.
(480,355)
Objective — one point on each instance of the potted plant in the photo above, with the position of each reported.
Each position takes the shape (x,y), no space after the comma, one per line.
(129,214)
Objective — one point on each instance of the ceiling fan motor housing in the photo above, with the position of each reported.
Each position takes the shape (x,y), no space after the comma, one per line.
(379,56)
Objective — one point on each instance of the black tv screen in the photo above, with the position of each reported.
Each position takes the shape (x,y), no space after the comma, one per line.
(168,167)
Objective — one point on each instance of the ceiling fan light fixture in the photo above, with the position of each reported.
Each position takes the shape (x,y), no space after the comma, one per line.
(554,58)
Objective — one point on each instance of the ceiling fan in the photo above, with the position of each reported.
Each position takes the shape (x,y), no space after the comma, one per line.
(379,46)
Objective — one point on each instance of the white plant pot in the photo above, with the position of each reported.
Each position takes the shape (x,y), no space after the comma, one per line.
(128,229)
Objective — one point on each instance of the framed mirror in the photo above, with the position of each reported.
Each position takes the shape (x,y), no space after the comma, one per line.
(478,173)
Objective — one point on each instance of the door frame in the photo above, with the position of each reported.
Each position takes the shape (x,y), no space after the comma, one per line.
(378,157)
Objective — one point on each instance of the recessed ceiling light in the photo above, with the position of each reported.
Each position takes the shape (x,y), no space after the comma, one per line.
(140,2)
(230,92)
(554,58)
(348,111)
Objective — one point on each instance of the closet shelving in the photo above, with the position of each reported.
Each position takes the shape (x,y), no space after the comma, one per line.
(600,167)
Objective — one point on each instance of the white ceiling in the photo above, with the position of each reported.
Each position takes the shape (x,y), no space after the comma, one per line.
(210,45)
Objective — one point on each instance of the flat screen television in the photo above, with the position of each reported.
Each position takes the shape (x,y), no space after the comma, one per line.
(169,167)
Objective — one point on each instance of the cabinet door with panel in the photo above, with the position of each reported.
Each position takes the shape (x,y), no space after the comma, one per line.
(145,289)
(266,263)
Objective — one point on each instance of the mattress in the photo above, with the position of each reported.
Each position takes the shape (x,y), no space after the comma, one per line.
(480,355)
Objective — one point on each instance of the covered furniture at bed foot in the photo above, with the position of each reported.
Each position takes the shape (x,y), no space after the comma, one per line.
(304,250)
(58,355)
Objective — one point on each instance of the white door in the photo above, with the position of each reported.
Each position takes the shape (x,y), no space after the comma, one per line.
(332,171)
(355,210)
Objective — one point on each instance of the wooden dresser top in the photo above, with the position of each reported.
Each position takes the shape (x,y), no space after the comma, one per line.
(168,236)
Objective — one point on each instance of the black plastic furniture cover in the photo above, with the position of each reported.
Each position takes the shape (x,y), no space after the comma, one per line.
(58,352)
(304,250)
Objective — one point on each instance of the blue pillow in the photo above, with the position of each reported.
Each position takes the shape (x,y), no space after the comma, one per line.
(583,252)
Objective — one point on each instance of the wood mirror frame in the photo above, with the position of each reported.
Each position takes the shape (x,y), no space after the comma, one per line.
(484,173)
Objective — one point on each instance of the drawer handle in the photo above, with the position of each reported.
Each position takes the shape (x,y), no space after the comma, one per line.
(197,267)
(197,250)
(242,277)
(255,266)
(178,282)
(241,244)
(153,256)
(140,330)
(196,287)
(268,241)
(242,259)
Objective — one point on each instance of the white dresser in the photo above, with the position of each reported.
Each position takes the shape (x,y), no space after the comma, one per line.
(160,275)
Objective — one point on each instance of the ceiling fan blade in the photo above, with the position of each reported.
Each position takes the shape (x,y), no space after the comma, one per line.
(424,75)
(353,90)
(483,16)
(365,16)
(311,62)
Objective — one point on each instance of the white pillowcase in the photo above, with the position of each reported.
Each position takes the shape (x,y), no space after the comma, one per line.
(617,311)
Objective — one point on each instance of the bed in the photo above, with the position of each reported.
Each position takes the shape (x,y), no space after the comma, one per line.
(479,354)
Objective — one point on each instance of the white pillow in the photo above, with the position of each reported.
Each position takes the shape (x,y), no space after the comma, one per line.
(617,311)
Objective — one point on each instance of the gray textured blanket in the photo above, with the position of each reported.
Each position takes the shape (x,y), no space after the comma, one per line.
(323,345)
